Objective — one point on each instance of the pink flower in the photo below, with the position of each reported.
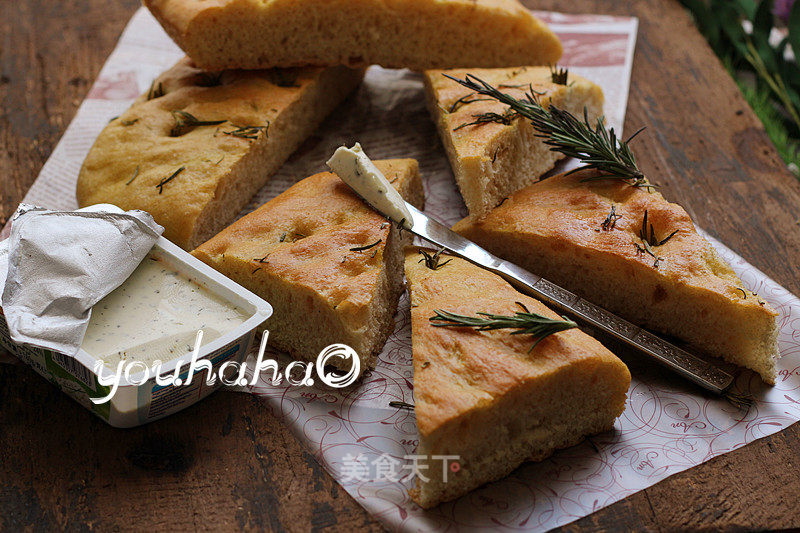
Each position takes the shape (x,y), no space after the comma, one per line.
(783,8)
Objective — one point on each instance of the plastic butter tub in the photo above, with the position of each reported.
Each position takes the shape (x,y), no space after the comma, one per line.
(134,405)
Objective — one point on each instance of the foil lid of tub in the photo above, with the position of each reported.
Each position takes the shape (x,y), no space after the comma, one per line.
(56,265)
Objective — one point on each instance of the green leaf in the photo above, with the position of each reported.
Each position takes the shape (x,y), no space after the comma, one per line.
(763,20)
(794,28)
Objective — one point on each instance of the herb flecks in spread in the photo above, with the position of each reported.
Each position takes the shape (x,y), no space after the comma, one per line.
(522,322)
(597,148)
(357,170)
(155,315)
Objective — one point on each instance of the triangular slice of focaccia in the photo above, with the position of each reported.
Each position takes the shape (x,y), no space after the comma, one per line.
(492,153)
(415,34)
(491,399)
(331,267)
(592,238)
(198,145)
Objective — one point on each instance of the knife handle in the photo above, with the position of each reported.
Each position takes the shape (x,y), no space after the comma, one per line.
(695,369)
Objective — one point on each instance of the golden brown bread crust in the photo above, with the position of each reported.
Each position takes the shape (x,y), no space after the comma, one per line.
(471,386)
(299,252)
(221,171)
(554,228)
(492,160)
(416,34)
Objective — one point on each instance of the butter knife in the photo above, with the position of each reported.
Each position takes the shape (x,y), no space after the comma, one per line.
(355,169)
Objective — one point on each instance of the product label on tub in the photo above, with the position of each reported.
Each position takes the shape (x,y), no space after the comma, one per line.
(65,372)
(167,399)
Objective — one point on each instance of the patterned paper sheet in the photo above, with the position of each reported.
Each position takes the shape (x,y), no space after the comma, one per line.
(668,426)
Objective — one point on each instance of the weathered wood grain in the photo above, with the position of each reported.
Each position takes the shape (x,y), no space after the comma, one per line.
(229,462)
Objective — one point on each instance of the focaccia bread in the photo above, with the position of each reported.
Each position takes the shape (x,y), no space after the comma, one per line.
(492,159)
(671,281)
(486,396)
(415,34)
(331,267)
(197,146)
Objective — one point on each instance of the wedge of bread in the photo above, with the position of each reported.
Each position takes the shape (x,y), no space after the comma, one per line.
(415,34)
(196,148)
(331,267)
(486,396)
(492,153)
(659,273)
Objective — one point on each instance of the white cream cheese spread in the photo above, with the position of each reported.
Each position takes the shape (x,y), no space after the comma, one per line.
(155,316)
(357,170)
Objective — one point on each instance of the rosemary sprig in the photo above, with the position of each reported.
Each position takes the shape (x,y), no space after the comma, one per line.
(486,118)
(559,76)
(248,132)
(651,237)
(166,180)
(367,247)
(523,322)
(185,121)
(466,100)
(135,173)
(597,148)
(611,220)
(156,91)
(402,405)
(650,241)
(209,79)
(432,260)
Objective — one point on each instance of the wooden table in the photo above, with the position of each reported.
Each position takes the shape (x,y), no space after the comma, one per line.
(229,462)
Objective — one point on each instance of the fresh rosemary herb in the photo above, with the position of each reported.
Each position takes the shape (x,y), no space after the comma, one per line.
(523,322)
(650,238)
(185,122)
(649,241)
(283,237)
(487,118)
(426,364)
(597,148)
(156,91)
(466,100)
(129,122)
(432,260)
(135,173)
(401,405)
(744,294)
(559,76)
(209,79)
(166,180)
(264,260)
(248,132)
(513,85)
(611,220)
(367,247)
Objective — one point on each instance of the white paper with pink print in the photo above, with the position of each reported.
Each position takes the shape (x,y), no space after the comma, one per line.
(668,426)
